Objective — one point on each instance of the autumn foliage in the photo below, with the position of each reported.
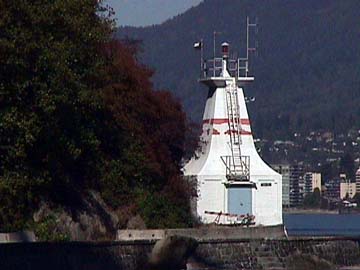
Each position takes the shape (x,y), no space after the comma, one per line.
(78,112)
(153,126)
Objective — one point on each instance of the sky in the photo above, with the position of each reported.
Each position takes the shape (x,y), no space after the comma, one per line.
(148,12)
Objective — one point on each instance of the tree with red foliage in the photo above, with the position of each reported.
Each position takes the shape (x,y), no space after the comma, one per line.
(153,123)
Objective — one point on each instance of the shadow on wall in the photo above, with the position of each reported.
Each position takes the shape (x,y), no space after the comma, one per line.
(73,256)
(169,253)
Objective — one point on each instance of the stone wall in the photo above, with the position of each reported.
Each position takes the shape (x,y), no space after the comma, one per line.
(239,254)
(264,254)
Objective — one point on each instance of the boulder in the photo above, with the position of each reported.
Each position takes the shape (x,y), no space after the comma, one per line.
(136,223)
(92,220)
(172,252)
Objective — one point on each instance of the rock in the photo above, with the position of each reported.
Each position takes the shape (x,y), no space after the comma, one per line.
(136,223)
(172,252)
(43,211)
(93,220)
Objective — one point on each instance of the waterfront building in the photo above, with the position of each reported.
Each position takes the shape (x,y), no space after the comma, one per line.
(232,179)
(293,183)
(357,177)
(347,190)
(312,180)
(296,185)
(333,189)
(284,170)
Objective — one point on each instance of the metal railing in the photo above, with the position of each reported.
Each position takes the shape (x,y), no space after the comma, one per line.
(213,67)
(237,168)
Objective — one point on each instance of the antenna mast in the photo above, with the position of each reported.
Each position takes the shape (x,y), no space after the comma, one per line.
(248,48)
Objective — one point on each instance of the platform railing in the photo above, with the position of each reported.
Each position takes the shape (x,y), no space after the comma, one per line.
(213,67)
(237,168)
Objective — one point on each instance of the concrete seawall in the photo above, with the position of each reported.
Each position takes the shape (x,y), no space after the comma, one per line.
(206,233)
(251,254)
(274,254)
(25,236)
(253,248)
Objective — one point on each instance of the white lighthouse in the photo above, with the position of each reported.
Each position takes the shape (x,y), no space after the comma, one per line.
(232,179)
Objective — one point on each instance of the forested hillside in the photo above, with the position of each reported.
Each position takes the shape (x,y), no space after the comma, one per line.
(307,72)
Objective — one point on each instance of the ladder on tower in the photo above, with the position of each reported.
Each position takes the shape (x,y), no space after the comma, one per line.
(237,166)
(234,121)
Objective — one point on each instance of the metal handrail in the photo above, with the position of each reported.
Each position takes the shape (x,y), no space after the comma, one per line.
(235,173)
(213,67)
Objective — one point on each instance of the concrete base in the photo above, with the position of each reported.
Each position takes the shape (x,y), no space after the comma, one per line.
(17,237)
(215,233)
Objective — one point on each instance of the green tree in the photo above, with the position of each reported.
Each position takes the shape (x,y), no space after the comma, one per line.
(356,198)
(313,200)
(328,171)
(347,166)
(49,99)
(78,111)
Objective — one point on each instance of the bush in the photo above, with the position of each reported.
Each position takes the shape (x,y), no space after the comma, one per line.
(47,231)
(158,211)
(313,200)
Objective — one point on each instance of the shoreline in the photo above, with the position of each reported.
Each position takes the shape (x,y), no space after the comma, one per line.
(309,211)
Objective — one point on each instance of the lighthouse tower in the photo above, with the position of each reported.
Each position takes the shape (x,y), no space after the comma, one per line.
(232,179)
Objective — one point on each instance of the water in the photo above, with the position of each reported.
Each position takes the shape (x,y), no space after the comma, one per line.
(322,224)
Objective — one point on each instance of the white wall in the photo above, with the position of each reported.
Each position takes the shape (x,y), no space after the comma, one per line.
(211,172)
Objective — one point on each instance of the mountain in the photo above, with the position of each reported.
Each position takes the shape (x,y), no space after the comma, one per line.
(307,68)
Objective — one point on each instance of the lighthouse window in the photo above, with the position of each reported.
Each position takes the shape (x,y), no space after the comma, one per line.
(266,184)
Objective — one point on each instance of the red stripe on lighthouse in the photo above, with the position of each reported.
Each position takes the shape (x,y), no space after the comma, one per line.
(245,121)
(219,121)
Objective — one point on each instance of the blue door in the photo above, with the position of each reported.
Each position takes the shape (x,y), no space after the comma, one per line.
(239,200)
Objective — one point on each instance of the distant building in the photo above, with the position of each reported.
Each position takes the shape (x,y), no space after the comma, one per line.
(297,185)
(312,180)
(284,170)
(347,190)
(357,177)
(316,181)
(293,184)
(333,189)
